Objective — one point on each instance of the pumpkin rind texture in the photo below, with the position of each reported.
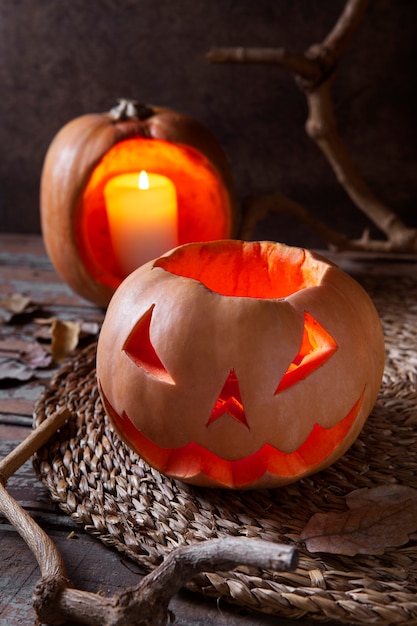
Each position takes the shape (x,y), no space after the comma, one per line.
(93,148)
(240,364)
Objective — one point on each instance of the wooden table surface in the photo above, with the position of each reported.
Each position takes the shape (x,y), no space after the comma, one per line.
(25,270)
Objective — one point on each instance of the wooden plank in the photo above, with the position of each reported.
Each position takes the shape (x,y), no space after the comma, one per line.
(20,406)
(26,269)
(19,243)
(12,346)
(20,399)
(18,576)
(41,286)
(95,568)
(10,273)
(13,432)
(360,263)
(91,566)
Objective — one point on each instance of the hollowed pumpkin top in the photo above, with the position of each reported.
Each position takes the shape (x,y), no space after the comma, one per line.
(240,364)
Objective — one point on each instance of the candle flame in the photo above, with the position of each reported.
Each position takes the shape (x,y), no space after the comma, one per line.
(143,182)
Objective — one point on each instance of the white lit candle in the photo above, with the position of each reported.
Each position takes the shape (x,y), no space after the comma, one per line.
(142,214)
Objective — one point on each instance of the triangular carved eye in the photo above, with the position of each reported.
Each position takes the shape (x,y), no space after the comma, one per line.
(139,349)
(317,347)
(229,402)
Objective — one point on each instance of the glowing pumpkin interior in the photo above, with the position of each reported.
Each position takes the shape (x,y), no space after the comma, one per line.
(251,272)
(256,273)
(191,460)
(203,202)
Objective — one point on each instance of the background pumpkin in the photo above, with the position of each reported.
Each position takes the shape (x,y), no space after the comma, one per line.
(240,364)
(93,148)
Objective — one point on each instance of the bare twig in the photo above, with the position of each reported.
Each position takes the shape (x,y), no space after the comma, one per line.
(338,40)
(321,127)
(33,442)
(257,207)
(43,548)
(296,63)
(316,63)
(313,72)
(147,603)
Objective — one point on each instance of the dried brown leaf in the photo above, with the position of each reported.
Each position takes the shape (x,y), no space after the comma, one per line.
(377,518)
(44,321)
(13,304)
(35,355)
(384,494)
(11,369)
(65,336)
(86,329)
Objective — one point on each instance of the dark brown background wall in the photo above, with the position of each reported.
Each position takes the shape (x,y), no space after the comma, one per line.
(60,59)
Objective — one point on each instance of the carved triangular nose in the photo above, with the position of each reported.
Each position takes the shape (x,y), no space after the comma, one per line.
(229,402)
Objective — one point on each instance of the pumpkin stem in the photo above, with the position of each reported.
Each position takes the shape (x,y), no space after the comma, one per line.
(126,109)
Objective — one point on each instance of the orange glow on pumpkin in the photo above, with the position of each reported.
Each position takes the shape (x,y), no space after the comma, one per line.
(240,364)
(316,347)
(200,191)
(229,402)
(233,270)
(93,148)
(192,459)
(139,348)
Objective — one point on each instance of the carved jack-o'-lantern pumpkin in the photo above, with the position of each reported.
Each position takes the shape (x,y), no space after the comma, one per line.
(240,364)
(92,149)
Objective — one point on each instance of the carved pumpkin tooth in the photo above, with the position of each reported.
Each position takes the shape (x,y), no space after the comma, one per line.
(229,402)
(190,460)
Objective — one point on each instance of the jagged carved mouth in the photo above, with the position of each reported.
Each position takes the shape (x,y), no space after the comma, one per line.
(192,459)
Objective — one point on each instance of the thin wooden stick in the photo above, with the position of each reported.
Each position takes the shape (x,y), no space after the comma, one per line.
(321,127)
(31,444)
(313,72)
(338,39)
(257,207)
(296,63)
(146,604)
(49,559)
(316,63)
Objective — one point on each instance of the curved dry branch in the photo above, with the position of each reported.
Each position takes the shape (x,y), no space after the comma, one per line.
(339,38)
(296,63)
(316,63)
(46,554)
(321,127)
(146,604)
(313,72)
(256,209)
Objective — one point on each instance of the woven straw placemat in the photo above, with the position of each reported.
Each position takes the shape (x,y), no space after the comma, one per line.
(97,480)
